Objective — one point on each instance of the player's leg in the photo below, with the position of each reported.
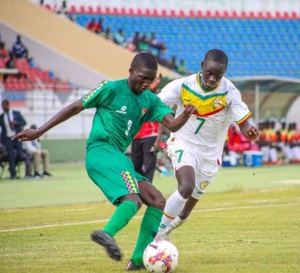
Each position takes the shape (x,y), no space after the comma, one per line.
(176,202)
(114,174)
(155,203)
(184,163)
(205,174)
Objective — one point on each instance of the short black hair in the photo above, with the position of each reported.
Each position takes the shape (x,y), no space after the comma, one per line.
(144,60)
(5,102)
(216,55)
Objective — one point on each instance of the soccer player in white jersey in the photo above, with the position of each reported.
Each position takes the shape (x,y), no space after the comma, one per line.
(195,149)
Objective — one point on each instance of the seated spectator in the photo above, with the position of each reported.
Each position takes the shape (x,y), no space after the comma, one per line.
(99,26)
(35,150)
(143,44)
(18,49)
(107,34)
(10,63)
(91,25)
(119,37)
(132,43)
(3,50)
(181,69)
(156,47)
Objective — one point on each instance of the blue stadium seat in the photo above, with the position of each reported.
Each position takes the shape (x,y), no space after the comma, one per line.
(254,46)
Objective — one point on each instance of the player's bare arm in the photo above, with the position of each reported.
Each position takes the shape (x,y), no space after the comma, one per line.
(154,85)
(174,124)
(248,130)
(66,113)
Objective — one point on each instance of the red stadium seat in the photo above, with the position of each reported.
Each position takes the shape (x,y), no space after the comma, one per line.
(234,14)
(172,13)
(90,10)
(82,9)
(73,9)
(181,13)
(199,13)
(131,12)
(208,14)
(225,14)
(98,10)
(191,13)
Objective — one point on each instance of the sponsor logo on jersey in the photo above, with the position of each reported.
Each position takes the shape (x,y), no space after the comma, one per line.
(122,110)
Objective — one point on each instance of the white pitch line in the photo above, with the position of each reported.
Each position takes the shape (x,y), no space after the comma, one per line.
(138,217)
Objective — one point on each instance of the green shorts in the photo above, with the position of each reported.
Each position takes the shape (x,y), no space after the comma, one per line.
(112,171)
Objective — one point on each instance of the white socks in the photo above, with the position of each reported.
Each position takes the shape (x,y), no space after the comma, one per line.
(174,206)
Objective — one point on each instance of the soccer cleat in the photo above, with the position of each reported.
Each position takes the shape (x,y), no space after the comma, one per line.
(46,174)
(102,238)
(162,236)
(132,267)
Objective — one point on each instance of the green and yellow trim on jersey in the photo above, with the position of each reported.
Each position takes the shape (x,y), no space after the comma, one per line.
(241,121)
(93,92)
(206,105)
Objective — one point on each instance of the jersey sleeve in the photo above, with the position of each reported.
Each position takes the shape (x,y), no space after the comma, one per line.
(99,96)
(158,110)
(239,109)
(170,94)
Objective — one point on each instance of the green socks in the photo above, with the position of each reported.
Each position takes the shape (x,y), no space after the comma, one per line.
(123,214)
(148,230)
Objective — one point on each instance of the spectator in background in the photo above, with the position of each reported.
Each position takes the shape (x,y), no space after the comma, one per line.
(63,10)
(156,47)
(18,49)
(132,43)
(107,34)
(143,44)
(119,37)
(11,123)
(10,63)
(34,149)
(99,26)
(181,68)
(3,50)
(92,25)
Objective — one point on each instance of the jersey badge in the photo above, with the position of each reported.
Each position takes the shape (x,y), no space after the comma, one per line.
(144,111)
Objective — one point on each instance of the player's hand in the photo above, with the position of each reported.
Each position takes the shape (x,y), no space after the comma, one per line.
(190,110)
(28,134)
(252,132)
(154,85)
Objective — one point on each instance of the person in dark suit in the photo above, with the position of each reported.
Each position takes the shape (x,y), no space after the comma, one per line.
(11,123)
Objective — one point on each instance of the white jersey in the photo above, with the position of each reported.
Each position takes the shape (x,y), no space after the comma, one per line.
(217,109)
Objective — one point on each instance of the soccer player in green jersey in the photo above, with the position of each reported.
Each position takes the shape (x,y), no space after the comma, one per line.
(122,106)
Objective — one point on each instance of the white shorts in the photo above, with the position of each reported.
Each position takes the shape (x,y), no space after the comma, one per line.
(183,154)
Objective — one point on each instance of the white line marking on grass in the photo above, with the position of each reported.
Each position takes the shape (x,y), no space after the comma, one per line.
(138,217)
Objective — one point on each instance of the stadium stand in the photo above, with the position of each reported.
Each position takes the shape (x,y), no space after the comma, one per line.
(256,46)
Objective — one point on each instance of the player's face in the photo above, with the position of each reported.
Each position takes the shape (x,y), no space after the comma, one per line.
(140,79)
(212,73)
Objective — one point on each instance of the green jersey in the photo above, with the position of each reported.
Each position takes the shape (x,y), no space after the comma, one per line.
(120,113)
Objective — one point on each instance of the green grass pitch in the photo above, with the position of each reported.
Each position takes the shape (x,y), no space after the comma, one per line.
(248,221)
